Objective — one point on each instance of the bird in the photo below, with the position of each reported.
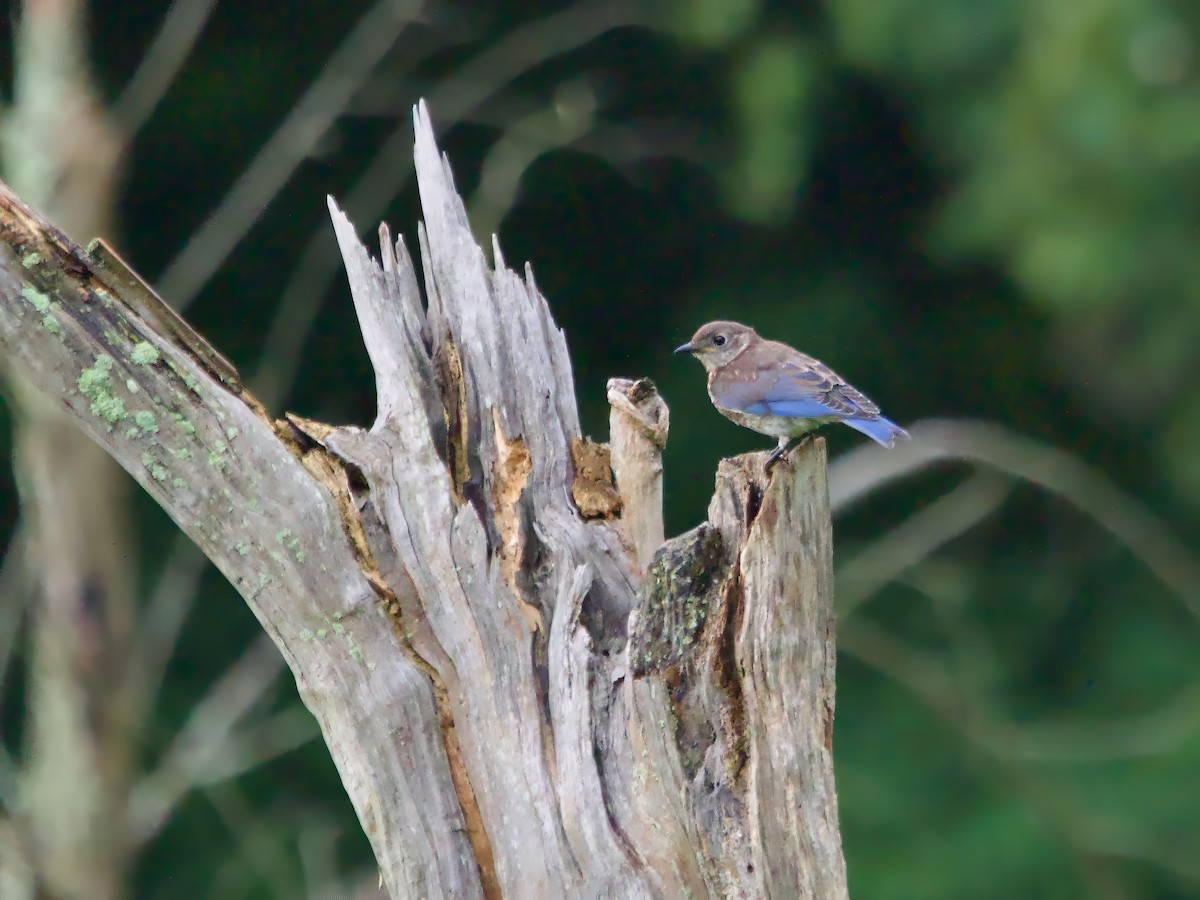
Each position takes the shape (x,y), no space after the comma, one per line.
(776,390)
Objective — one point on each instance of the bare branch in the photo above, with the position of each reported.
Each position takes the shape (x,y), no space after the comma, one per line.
(194,758)
(526,46)
(292,143)
(180,29)
(455,99)
(913,540)
(260,742)
(162,620)
(857,473)
(260,846)
(14,597)
(565,120)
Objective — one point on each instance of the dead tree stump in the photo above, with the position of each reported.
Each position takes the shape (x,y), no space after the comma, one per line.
(524,694)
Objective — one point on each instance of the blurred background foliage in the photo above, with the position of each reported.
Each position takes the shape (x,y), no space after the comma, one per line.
(976,209)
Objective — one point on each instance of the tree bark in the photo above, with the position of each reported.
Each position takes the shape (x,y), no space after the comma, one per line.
(515,708)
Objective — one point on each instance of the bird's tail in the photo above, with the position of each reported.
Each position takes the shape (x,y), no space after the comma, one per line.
(880,430)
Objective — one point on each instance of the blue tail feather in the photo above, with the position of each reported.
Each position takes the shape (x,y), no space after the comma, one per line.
(882,431)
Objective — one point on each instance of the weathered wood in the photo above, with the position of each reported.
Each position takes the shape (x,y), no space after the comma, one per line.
(455,588)
(237,486)
(785,653)
(637,427)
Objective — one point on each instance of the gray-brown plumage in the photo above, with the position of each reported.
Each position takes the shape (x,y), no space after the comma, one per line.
(774,389)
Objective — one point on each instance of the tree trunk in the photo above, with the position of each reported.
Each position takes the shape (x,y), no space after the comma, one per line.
(59,149)
(523,696)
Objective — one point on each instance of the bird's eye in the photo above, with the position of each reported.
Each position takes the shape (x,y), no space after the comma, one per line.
(719,340)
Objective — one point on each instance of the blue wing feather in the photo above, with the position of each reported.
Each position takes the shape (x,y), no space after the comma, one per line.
(880,430)
(795,408)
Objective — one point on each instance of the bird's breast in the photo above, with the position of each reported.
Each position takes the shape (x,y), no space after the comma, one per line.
(775,426)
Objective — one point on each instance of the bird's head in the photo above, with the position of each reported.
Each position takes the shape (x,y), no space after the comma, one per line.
(718,343)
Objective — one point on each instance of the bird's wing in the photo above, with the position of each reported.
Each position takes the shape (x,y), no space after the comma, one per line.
(797,386)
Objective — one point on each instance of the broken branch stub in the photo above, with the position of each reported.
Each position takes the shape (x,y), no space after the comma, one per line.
(637,426)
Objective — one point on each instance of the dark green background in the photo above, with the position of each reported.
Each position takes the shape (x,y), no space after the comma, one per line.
(984,209)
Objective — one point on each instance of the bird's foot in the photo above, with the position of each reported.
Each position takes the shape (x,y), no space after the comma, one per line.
(783,450)
(776,456)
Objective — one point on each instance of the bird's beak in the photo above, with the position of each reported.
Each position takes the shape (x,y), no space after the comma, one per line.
(685,348)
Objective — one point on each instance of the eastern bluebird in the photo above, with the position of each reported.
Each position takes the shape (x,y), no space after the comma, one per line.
(770,388)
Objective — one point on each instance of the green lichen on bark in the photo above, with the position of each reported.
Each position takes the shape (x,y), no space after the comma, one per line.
(96,385)
(39,301)
(143,354)
(680,590)
(146,422)
(182,423)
